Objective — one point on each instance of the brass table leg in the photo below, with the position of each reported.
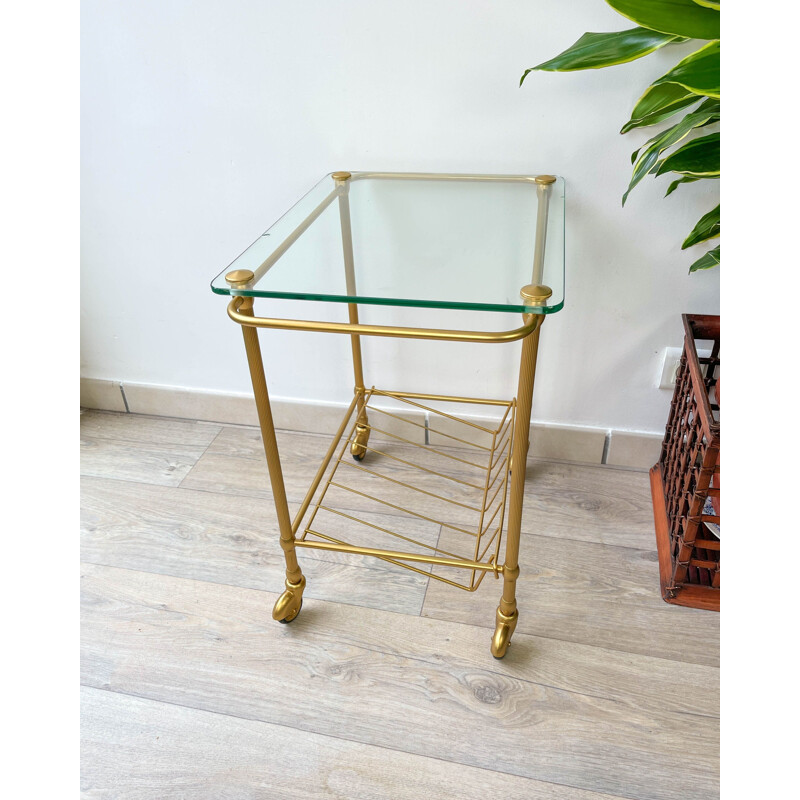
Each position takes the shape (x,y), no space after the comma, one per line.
(358,449)
(507,613)
(289,603)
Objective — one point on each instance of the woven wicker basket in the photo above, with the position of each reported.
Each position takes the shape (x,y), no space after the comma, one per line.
(684,478)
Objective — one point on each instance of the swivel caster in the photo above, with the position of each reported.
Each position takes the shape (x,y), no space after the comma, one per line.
(358,447)
(288,605)
(503,632)
(287,620)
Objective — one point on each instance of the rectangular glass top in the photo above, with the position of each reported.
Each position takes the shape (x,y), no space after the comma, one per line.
(413,239)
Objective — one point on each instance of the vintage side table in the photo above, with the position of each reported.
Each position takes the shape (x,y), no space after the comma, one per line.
(484,243)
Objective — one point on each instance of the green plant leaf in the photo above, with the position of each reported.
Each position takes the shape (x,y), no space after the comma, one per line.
(707,228)
(699,158)
(708,4)
(675,184)
(704,115)
(597,50)
(679,17)
(697,73)
(647,162)
(707,113)
(709,260)
(659,103)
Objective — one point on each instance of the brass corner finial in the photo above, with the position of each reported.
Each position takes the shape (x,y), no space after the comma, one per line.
(535,294)
(341,176)
(545,180)
(239,276)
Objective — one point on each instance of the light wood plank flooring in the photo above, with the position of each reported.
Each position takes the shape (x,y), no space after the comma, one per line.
(384,687)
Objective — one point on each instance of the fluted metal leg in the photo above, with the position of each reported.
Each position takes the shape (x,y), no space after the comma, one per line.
(289,603)
(507,613)
(358,448)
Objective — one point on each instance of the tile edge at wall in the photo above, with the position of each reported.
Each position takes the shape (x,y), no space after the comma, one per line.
(590,445)
(634,449)
(103,394)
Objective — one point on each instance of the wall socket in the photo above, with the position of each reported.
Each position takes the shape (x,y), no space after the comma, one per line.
(669,365)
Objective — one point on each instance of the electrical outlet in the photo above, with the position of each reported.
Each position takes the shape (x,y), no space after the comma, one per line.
(669,365)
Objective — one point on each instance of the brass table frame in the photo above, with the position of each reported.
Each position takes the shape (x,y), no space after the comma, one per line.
(518,413)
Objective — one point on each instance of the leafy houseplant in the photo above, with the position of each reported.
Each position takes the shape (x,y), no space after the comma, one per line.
(691,87)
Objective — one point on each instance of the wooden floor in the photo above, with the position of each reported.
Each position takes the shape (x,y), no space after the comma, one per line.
(384,686)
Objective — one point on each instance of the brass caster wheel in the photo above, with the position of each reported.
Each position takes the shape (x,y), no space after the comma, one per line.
(288,605)
(358,448)
(287,620)
(501,640)
(503,632)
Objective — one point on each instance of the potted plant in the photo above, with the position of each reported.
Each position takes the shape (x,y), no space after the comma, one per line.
(685,482)
(690,88)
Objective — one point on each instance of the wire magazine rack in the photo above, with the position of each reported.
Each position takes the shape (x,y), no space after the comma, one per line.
(468,501)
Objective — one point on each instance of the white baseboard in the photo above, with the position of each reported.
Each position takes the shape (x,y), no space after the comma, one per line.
(106,395)
(589,445)
(631,449)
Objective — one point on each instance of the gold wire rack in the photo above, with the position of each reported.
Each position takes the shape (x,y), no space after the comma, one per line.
(384,490)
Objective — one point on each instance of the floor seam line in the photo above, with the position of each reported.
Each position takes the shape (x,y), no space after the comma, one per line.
(199,458)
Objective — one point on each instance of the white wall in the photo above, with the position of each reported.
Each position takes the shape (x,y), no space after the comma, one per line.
(203,121)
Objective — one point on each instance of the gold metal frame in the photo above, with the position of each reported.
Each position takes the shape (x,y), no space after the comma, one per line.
(502,486)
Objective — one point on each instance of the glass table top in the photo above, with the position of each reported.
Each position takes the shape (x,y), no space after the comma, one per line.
(409,239)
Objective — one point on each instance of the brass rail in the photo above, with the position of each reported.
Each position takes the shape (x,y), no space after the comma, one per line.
(441,176)
(532,323)
(396,555)
(446,397)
